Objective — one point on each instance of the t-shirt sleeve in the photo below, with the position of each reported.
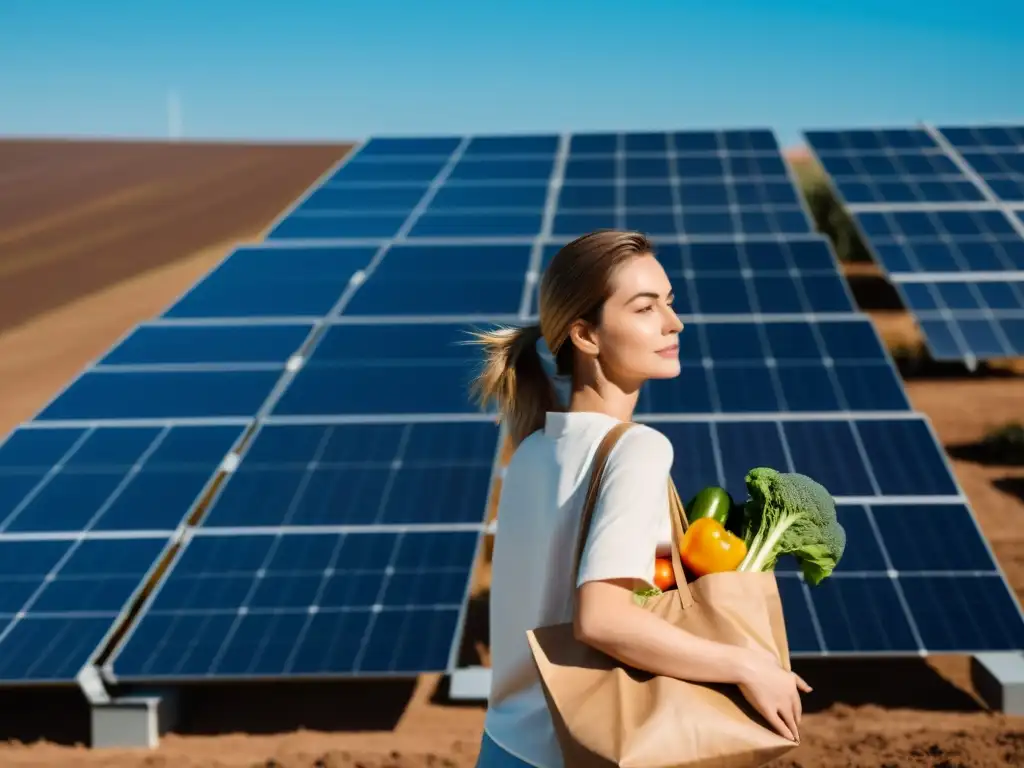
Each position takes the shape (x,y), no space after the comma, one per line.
(630,511)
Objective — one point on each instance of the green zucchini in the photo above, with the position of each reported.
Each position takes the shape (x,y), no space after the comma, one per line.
(713,502)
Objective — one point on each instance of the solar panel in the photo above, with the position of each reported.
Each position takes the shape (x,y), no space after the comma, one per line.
(859,458)
(264,605)
(729,366)
(995,153)
(295,281)
(980,319)
(947,228)
(915,578)
(696,184)
(451,279)
(59,599)
(234,344)
(103,394)
(107,478)
(896,166)
(943,240)
(391,474)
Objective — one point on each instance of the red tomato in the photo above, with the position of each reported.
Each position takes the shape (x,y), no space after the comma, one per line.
(664,579)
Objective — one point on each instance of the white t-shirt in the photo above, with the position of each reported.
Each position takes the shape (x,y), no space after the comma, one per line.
(542,498)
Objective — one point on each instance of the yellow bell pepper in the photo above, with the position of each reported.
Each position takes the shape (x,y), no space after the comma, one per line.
(707,547)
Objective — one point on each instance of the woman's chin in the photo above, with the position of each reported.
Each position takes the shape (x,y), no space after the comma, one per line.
(668,370)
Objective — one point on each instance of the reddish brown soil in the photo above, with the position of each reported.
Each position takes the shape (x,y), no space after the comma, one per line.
(105,239)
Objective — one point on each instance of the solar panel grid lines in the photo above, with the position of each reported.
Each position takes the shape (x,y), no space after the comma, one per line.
(971,242)
(533,271)
(106,479)
(327,445)
(63,597)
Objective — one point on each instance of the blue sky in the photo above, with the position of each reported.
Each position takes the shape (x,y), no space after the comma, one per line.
(332,69)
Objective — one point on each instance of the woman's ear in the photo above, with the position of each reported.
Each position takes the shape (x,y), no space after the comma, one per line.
(583,336)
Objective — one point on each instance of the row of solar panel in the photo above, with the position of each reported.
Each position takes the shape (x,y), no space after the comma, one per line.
(315,605)
(964,319)
(491,196)
(300,591)
(121,478)
(983,319)
(178,372)
(653,166)
(762,220)
(714,277)
(910,166)
(759,140)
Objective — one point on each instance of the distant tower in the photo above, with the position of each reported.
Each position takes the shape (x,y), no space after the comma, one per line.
(174,130)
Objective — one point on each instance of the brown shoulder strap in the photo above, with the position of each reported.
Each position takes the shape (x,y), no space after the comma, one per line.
(600,461)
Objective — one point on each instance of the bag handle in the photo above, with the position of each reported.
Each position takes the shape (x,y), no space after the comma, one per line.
(675,511)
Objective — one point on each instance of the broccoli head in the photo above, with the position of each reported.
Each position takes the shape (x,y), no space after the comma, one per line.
(791,514)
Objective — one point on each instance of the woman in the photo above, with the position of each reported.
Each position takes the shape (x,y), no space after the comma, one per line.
(606,316)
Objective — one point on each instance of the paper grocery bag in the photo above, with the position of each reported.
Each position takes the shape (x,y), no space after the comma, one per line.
(607,714)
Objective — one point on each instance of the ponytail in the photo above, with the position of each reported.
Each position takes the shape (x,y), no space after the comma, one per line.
(513,377)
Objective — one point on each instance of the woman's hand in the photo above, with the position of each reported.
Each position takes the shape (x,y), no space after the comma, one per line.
(775,693)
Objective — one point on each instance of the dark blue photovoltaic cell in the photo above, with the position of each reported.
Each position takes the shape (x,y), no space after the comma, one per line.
(996,153)
(393,368)
(444,262)
(932,537)
(303,604)
(520,169)
(826,450)
(469,197)
(444,280)
(512,145)
(54,613)
(274,282)
(441,224)
(1001,170)
(994,296)
(943,240)
(862,615)
(104,394)
(801,634)
(363,197)
(402,146)
(108,478)
(364,169)
(989,136)
(168,344)
(336,226)
(891,167)
(906,459)
(451,296)
(957,613)
(988,338)
(361,474)
(981,319)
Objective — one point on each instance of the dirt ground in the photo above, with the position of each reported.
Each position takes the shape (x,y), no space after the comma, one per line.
(93,241)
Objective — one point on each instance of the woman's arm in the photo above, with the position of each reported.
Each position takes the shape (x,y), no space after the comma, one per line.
(608,619)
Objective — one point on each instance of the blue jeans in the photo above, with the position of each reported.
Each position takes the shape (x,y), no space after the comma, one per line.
(493,756)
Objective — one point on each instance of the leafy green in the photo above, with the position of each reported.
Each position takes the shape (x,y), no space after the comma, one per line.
(641,596)
(791,514)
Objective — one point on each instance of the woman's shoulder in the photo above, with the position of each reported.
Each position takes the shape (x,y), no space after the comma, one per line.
(644,443)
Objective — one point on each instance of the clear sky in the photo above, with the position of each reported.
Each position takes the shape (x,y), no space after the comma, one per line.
(334,69)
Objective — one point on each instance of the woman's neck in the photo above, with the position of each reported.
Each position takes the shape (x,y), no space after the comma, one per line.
(612,402)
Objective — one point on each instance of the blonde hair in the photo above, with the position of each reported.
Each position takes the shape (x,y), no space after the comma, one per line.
(575,286)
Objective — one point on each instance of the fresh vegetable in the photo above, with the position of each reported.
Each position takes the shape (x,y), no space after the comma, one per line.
(789,513)
(641,596)
(708,548)
(664,578)
(713,502)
